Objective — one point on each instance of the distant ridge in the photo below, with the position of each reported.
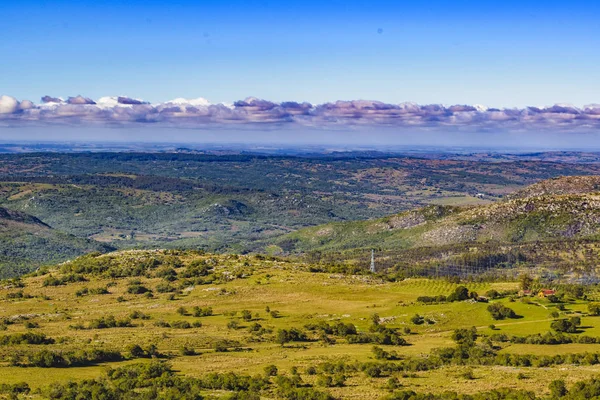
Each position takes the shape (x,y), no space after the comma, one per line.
(564,208)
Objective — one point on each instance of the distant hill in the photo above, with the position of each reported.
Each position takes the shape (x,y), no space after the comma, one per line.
(560,186)
(564,208)
(26,243)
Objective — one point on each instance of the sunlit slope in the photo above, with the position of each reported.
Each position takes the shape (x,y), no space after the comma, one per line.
(564,208)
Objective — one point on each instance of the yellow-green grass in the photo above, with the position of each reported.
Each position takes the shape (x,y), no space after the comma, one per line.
(300,297)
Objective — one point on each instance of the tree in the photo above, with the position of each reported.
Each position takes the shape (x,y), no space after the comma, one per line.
(594,309)
(566,326)
(271,370)
(460,293)
(246,315)
(465,337)
(282,337)
(526,281)
(500,311)
(557,389)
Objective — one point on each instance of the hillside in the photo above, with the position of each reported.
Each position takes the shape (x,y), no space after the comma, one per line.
(26,243)
(228,203)
(560,186)
(559,209)
(189,325)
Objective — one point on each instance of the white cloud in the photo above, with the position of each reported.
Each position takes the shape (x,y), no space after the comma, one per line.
(8,104)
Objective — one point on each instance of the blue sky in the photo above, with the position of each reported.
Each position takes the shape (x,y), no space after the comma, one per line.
(501,54)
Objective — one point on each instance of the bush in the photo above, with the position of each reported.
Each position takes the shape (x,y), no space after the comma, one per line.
(25,338)
(271,370)
(290,335)
(164,288)
(202,312)
(109,322)
(181,311)
(246,315)
(138,315)
(137,289)
(500,311)
(557,388)
(186,350)
(594,309)
(460,293)
(566,325)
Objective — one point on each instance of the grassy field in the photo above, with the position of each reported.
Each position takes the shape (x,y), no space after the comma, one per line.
(299,297)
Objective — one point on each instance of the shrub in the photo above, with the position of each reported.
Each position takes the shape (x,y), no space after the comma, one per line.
(202,312)
(164,288)
(566,325)
(25,338)
(500,311)
(460,293)
(594,309)
(181,311)
(233,324)
(271,370)
(557,388)
(138,315)
(109,322)
(290,335)
(186,350)
(180,325)
(135,351)
(137,289)
(246,315)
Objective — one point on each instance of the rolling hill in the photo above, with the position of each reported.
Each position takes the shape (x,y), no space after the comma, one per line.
(26,243)
(566,208)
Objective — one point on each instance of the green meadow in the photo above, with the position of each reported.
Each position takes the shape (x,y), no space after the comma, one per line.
(252,300)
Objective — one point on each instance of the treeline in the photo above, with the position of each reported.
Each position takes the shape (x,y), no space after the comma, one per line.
(25,338)
(549,338)
(378,333)
(589,389)
(157,380)
(55,358)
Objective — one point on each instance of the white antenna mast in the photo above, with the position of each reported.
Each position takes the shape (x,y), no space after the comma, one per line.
(373,261)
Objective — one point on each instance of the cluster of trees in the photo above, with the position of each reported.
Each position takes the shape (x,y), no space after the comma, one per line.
(104,323)
(566,325)
(93,291)
(157,380)
(589,389)
(54,358)
(202,312)
(123,266)
(460,293)
(179,324)
(15,389)
(549,338)
(381,354)
(52,280)
(500,311)
(284,336)
(25,338)
(378,333)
